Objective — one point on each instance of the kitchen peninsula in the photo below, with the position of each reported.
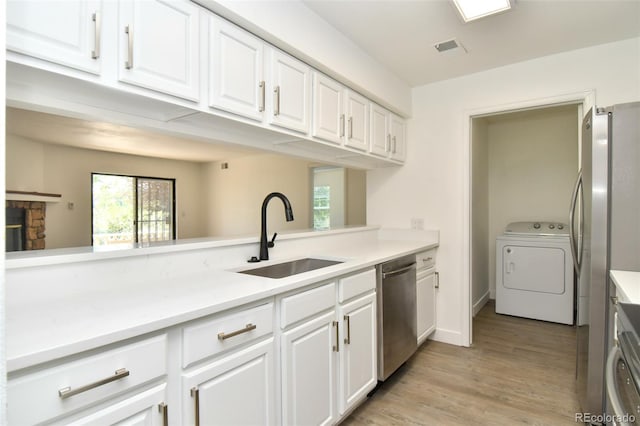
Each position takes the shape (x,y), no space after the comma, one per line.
(71,311)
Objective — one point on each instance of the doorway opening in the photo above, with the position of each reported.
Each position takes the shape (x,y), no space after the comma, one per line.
(523,164)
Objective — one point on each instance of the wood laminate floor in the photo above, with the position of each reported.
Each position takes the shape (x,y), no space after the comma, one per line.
(518,371)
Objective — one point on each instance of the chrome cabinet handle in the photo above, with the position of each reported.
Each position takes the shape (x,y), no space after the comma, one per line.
(247,328)
(394,144)
(336,347)
(129,63)
(68,392)
(195,394)
(341,125)
(350,127)
(387,146)
(164,410)
(262,96)
(428,259)
(97,27)
(437,284)
(276,110)
(347,340)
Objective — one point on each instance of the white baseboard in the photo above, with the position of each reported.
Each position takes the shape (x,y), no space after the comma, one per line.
(447,336)
(480,303)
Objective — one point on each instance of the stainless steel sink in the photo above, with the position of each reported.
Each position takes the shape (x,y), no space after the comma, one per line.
(286,269)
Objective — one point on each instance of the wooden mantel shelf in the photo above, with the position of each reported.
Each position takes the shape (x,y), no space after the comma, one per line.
(33,196)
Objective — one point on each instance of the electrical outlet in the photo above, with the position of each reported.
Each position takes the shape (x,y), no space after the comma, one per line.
(417,223)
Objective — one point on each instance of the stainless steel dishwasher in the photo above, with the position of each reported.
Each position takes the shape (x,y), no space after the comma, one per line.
(397,325)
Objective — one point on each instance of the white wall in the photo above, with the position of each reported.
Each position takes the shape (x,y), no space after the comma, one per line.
(44,167)
(432,184)
(533,161)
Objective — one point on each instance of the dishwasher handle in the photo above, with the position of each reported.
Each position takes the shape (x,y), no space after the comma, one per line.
(385,275)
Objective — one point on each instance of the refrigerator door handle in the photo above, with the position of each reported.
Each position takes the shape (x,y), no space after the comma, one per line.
(575,252)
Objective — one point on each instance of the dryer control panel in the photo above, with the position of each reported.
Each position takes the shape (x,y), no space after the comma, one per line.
(537,228)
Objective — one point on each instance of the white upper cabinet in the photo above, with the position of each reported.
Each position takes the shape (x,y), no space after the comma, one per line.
(397,132)
(357,121)
(388,134)
(290,89)
(64,32)
(236,82)
(379,131)
(159,46)
(328,118)
(340,115)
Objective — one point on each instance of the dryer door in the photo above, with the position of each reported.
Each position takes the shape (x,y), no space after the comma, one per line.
(540,269)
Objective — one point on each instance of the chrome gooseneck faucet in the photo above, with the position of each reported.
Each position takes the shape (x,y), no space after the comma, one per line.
(288,212)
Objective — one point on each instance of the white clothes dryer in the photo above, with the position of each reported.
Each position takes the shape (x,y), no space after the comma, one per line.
(534,272)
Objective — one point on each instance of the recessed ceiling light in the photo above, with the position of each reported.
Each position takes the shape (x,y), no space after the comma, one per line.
(476,9)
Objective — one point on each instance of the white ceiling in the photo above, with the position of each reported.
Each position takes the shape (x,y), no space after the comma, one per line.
(401,34)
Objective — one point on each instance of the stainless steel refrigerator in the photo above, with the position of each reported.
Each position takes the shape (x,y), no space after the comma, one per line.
(605,234)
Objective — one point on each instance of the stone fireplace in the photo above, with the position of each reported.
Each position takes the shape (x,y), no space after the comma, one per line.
(25,225)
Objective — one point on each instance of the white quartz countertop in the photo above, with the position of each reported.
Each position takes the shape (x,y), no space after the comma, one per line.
(72,317)
(627,285)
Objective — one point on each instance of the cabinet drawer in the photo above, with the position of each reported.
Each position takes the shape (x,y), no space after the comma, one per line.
(426,259)
(306,304)
(356,284)
(222,333)
(40,396)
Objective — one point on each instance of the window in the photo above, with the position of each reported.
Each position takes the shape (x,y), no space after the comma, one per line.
(132,209)
(321,207)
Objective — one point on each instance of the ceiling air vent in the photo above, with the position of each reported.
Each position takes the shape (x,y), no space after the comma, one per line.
(447,45)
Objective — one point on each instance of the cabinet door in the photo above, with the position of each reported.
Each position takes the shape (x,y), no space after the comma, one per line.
(398,139)
(148,408)
(309,372)
(357,121)
(235,390)
(426,304)
(379,135)
(290,89)
(236,82)
(160,46)
(328,117)
(358,354)
(64,32)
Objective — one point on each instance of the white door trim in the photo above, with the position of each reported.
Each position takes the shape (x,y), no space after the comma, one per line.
(585,98)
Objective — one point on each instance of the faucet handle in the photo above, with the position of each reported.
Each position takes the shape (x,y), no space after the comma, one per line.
(272,243)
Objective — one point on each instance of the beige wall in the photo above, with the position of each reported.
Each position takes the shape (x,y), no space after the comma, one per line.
(242,187)
(42,167)
(533,161)
(356,197)
(480,209)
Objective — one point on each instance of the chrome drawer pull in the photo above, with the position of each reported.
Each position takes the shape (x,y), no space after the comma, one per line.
(68,392)
(247,328)
(428,259)
(437,280)
(336,347)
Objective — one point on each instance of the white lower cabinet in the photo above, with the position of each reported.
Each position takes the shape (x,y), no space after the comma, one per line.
(148,408)
(426,287)
(101,380)
(309,367)
(237,389)
(358,366)
(328,356)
